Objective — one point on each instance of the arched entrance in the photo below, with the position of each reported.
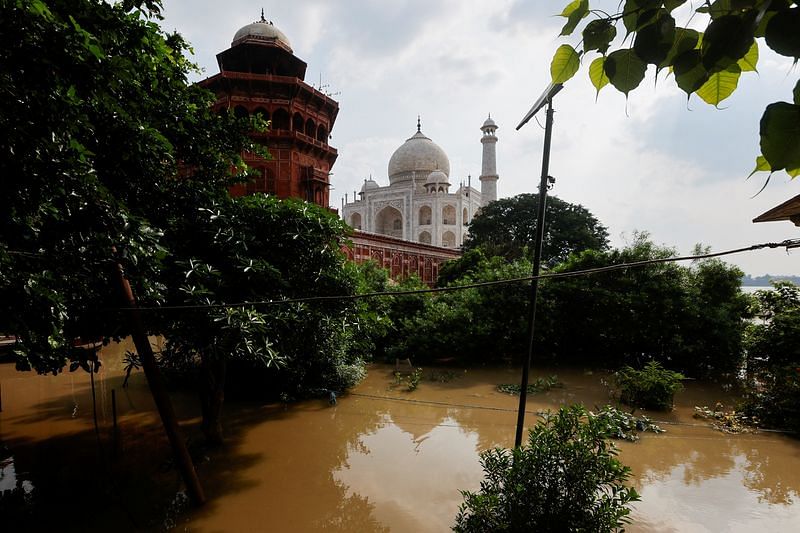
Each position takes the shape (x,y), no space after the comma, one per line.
(389,221)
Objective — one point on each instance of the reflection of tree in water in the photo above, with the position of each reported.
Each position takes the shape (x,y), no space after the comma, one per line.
(352,513)
(766,469)
(775,478)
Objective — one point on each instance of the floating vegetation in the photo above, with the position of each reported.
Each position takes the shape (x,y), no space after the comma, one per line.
(727,421)
(411,380)
(539,385)
(622,425)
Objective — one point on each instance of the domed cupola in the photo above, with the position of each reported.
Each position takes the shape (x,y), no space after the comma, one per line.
(260,48)
(418,156)
(369,184)
(263,31)
(437,182)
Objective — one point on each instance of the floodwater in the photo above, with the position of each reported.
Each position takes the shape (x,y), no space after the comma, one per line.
(382,459)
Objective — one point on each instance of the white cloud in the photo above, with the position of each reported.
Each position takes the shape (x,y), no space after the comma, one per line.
(651,163)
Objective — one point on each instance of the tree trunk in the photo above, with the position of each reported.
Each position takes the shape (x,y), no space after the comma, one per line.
(212,396)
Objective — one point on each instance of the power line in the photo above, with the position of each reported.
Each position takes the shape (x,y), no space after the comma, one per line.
(788,244)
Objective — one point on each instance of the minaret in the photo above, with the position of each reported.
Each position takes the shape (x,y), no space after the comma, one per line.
(489,175)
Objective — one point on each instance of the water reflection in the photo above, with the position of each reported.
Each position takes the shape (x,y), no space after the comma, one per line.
(382,459)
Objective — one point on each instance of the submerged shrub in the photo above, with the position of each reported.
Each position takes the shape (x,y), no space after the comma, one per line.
(567,478)
(653,387)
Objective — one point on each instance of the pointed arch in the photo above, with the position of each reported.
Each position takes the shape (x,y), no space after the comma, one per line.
(448,215)
(449,239)
(355,220)
(389,221)
(425,216)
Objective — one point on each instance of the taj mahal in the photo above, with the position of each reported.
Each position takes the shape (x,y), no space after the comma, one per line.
(418,205)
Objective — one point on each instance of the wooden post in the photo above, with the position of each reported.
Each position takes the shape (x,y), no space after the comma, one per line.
(114,438)
(159,392)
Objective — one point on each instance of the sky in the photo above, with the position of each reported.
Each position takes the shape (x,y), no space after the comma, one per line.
(653,162)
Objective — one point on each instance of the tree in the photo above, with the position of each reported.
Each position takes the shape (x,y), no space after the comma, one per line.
(708,63)
(689,319)
(259,248)
(98,115)
(112,157)
(773,358)
(567,478)
(507,226)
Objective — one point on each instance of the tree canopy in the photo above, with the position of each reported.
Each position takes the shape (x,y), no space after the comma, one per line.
(707,63)
(507,226)
(99,119)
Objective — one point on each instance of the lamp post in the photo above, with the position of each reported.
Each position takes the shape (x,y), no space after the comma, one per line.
(546,99)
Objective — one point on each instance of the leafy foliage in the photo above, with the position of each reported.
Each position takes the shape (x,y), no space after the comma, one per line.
(652,387)
(773,358)
(708,63)
(507,226)
(567,478)
(478,325)
(541,384)
(97,114)
(622,425)
(688,318)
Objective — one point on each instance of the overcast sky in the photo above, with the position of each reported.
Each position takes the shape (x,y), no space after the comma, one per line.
(654,163)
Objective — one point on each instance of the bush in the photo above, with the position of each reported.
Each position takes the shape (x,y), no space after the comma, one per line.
(653,387)
(567,478)
(690,319)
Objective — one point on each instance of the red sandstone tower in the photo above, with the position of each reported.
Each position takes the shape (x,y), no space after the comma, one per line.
(259,73)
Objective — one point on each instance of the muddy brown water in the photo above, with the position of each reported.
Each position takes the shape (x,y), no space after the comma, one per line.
(381,459)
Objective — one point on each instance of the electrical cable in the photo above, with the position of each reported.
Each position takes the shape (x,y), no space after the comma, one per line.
(788,244)
(538,413)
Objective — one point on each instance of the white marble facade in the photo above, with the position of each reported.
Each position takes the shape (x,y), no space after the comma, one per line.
(417,205)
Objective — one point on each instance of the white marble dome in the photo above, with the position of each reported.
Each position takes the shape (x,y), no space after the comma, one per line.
(262,30)
(369,185)
(489,123)
(437,177)
(418,154)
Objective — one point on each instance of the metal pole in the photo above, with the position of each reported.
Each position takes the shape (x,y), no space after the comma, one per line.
(537,260)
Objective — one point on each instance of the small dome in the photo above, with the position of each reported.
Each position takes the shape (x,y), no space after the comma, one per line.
(437,177)
(418,155)
(369,185)
(489,123)
(262,30)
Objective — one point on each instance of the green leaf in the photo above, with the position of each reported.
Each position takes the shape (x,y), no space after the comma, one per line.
(565,64)
(796,93)
(690,74)
(750,60)
(725,41)
(671,5)
(780,135)
(783,32)
(638,13)
(685,39)
(625,70)
(720,8)
(762,165)
(720,85)
(654,42)
(574,12)
(598,34)
(793,172)
(598,74)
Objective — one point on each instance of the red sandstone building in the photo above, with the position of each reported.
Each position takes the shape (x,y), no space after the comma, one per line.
(259,74)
